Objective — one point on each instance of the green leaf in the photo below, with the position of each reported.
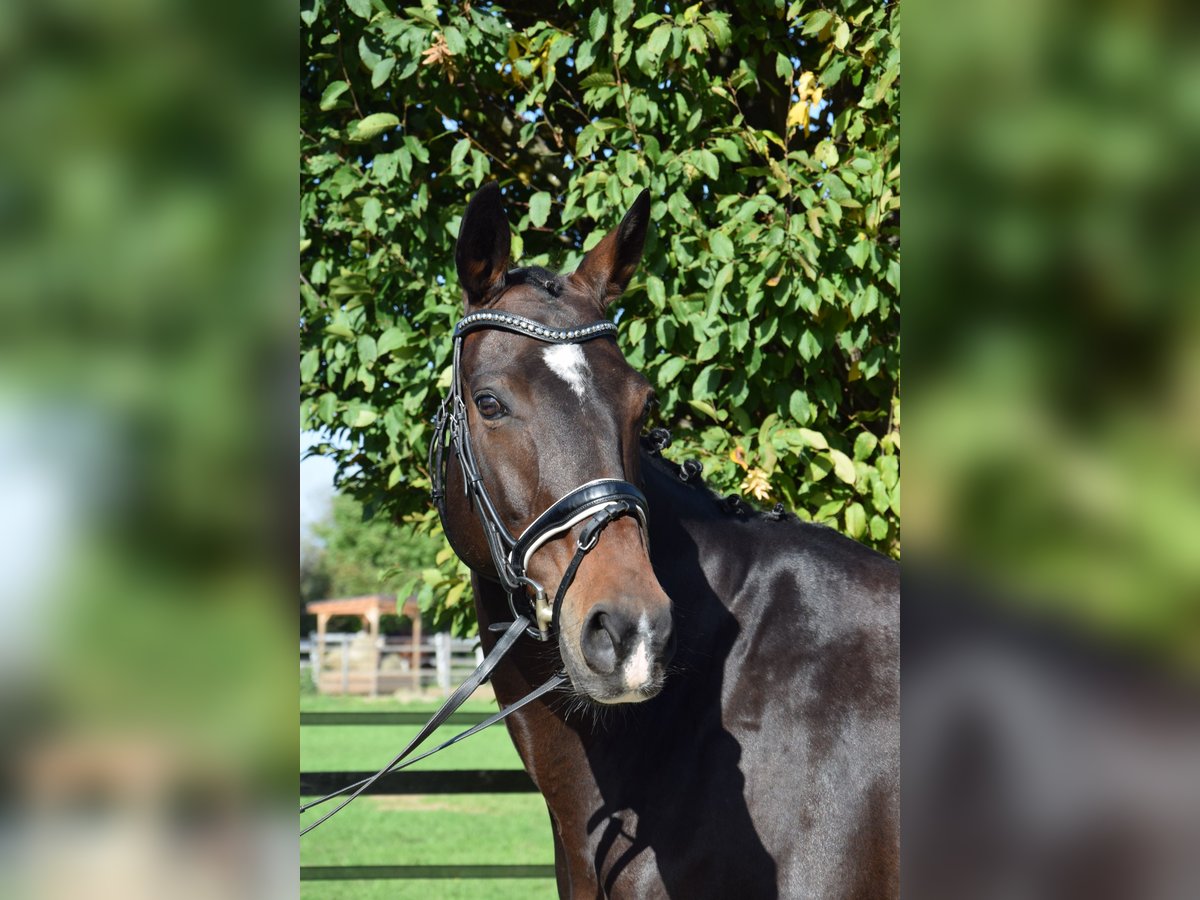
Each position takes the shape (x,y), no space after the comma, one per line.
(585,56)
(856,520)
(739,333)
(707,162)
(658,40)
(361,8)
(597,79)
(539,209)
(783,67)
(309,363)
(390,340)
(637,331)
(384,167)
(798,406)
(646,21)
(382,70)
(656,291)
(879,528)
(598,24)
(371,212)
(718,26)
(664,331)
(843,467)
(708,349)
(864,445)
(670,369)
(815,21)
(327,407)
(809,346)
(367,351)
(724,276)
(703,406)
(372,126)
(720,245)
(459,153)
(707,383)
(369,57)
(828,510)
(332,91)
(455,42)
(818,468)
(889,471)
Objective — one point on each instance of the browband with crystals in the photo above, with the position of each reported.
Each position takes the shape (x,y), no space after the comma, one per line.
(530,328)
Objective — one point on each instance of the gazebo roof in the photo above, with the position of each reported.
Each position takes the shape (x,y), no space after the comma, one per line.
(361,606)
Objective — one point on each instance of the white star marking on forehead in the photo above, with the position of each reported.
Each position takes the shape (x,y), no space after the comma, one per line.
(567,362)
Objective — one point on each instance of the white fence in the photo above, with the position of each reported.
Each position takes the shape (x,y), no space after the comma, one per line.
(355,663)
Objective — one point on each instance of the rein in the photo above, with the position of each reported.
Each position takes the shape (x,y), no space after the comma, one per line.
(597,503)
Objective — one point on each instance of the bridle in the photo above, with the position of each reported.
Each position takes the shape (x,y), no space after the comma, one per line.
(597,502)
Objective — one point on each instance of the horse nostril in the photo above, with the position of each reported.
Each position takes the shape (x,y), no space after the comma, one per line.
(599,642)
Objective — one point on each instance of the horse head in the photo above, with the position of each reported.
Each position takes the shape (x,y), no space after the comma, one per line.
(544,418)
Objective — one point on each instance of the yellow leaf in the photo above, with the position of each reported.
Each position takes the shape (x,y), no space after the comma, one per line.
(756,484)
(455,594)
(798,115)
(814,439)
(842,36)
(843,467)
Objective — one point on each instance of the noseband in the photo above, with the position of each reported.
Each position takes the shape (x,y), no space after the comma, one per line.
(597,502)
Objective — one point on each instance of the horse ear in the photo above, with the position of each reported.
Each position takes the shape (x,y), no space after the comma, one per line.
(608,267)
(481,254)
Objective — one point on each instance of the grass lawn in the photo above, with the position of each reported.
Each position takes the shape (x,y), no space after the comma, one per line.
(427,829)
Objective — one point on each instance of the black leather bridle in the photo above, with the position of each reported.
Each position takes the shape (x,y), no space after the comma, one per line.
(598,502)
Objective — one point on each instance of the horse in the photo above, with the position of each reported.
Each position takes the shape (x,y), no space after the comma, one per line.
(731,725)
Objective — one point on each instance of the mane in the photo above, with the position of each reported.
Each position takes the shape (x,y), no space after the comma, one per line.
(535,276)
(690,474)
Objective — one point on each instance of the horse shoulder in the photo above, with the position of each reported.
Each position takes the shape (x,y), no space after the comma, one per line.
(811,693)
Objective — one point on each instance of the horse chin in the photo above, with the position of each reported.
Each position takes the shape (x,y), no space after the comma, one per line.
(621,687)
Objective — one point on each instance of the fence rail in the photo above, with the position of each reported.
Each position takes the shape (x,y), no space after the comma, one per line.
(365,873)
(453,781)
(387,718)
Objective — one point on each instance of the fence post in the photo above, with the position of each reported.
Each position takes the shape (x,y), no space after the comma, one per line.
(345,666)
(441,643)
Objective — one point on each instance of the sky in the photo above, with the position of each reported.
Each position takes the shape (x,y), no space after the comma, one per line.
(316,485)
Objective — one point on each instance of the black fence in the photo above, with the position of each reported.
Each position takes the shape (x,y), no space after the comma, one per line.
(480,781)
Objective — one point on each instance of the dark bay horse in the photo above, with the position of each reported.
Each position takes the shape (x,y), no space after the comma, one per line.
(732,728)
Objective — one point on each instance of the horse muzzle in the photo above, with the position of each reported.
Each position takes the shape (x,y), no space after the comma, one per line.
(622,650)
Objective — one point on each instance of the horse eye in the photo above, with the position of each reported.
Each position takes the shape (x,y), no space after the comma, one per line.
(489,407)
(651,402)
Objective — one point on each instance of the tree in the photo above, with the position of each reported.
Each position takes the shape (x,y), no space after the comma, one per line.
(357,556)
(767,307)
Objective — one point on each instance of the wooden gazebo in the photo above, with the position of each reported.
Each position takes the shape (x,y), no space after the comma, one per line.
(369,609)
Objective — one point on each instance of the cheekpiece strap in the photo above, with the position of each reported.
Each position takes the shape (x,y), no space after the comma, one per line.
(530,328)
